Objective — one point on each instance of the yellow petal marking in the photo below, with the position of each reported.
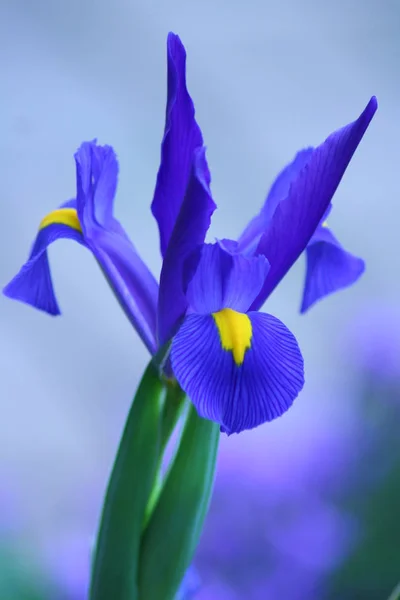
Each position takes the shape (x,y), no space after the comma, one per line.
(235,332)
(62,216)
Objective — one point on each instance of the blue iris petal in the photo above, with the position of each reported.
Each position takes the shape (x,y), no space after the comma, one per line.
(133,284)
(225,280)
(329,267)
(238,397)
(299,214)
(33,284)
(279,190)
(181,137)
(187,238)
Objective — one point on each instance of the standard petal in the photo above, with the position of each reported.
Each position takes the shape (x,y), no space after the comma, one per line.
(33,284)
(132,282)
(187,238)
(241,397)
(181,136)
(279,191)
(97,178)
(297,217)
(225,280)
(329,267)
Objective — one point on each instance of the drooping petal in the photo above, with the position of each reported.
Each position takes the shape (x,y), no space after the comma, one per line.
(89,220)
(33,284)
(297,217)
(329,267)
(225,280)
(279,191)
(188,236)
(181,136)
(238,396)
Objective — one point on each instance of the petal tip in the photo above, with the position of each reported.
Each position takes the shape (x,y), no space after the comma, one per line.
(175,45)
(14,291)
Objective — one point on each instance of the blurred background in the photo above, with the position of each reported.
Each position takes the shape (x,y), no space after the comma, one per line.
(305,507)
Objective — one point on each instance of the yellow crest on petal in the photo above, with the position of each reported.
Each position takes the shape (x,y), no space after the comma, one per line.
(62,216)
(235,332)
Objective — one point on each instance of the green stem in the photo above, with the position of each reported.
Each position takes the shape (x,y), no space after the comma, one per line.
(174,528)
(115,566)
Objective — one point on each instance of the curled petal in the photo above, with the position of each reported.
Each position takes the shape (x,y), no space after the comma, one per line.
(238,396)
(225,280)
(181,136)
(89,221)
(297,217)
(186,240)
(329,267)
(33,284)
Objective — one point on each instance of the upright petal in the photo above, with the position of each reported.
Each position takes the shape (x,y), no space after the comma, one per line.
(329,267)
(181,136)
(132,282)
(279,191)
(33,283)
(97,178)
(187,237)
(297,217)
(225,280)
(238,396)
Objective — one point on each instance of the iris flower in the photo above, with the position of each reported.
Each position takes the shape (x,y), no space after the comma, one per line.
(238,366)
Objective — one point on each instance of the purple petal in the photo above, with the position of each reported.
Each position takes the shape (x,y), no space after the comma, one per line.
(188,236)
(97,178)
(181,136)
(131,281)
(225,280)
(329,267)
(297,217)
(133,284)
(89,221)
(279,191)
(238,397)
(33,284)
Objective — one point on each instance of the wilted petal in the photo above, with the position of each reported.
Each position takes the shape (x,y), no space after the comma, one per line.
(329,267)
(297,217)
(225,280)
(238,396)
(181,136)
(187,238)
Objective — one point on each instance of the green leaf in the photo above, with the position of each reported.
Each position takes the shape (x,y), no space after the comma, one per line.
(173,531)
(115,566)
